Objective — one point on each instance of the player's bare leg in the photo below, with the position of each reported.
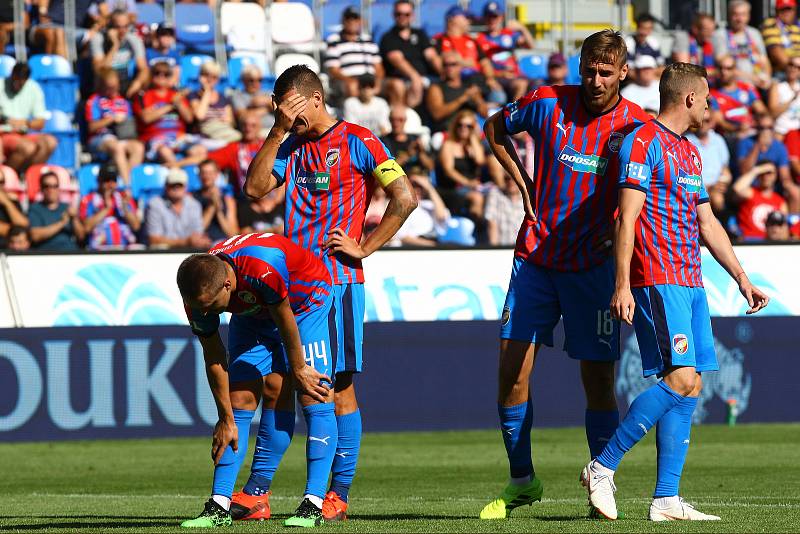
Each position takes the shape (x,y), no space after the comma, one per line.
(517,359)
(344,463)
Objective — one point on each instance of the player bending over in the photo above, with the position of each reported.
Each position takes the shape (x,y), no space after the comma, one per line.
(562,266)
(281,302)
(664,210)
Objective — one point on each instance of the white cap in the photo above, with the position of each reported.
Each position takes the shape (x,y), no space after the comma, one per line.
(644,61)
(177,176)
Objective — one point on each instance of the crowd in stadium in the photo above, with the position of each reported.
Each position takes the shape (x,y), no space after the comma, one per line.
(426,96)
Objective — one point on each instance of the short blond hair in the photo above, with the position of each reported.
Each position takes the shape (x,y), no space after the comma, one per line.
(211,67)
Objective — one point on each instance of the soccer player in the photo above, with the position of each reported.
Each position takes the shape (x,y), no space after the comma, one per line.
(330,169)
(562,266)
(663,212)
(281,299)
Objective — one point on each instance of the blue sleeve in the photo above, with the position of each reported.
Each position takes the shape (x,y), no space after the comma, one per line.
(282,160)
(524,115)
(703,198)
(781,154)
(744,146)
(637,162)
(269,274)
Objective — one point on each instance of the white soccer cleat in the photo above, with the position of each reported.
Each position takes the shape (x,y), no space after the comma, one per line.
(677,510)
(599,482)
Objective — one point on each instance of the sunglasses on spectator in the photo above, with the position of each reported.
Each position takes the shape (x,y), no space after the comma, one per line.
(397,119)
(453,64)
(403,13)
(49,186)
(162,73)
(466,125)
(248,80)
(176,184)
(727,67)
(209,75)
(794,65)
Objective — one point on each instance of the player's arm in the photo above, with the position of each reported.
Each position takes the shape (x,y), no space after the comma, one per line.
(503,149)
(631,202)
(742,186)
(718,243)
(308,379)
(215,358)
(260,179)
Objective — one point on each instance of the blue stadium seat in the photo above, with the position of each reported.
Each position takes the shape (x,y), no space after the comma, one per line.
(147,181)
(332,15)
(6,64)
(194,27)
(87,178)
(382,16)
(60,126)
(190,69)
(236,64)
(574,66)
(149,13)
(59,84)
(431,16)
(193,172)
(458,231)
(476,6)
(534,66)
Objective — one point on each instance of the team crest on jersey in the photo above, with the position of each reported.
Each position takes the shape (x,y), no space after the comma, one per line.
(332,157)
(696,161)
(247,297)
(506,316)
(582,162)
(615,141)
(680,344)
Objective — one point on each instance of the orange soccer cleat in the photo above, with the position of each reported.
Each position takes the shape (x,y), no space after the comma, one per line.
(246,507)
(334,508)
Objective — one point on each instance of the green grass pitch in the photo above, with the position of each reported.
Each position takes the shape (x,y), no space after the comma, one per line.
(407,482)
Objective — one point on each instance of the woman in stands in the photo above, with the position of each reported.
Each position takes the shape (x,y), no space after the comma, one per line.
(212,110)
(462,164)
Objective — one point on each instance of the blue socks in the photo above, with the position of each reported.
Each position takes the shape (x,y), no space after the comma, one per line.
(320,446)
(672,443)
(274,436)
(645,411)
(347,448)
(600,426)
(227,469)
(515,425)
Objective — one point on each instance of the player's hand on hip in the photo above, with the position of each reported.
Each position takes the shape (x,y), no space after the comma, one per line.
(224,434)
(623,305)
(338,241)
(288,110)
(756,298)
(310,381)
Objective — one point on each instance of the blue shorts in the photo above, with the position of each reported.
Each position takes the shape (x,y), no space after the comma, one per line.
(256,350)
(673,328)
(350,307)
(538,297)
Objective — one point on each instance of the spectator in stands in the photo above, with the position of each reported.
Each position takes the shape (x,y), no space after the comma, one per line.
(163,115)
(19,239)
(784,99)
(643,42)
(429,219)
(22,112)
(744,44)
(792,143)
(55,225)
(734,101)
(234,158)
(777,227)
(644,88)
(48,32)
(764,147)
(453,94)
(716,158)
(103,9)
(7,24)
(462,162)
(473,61)
(212,110)
(253,99)
(219,207)
(10,212)
(696,46)
(410,58)
(504,212)
(499,43)
(557,70)
(175,220)
(112,129)
(366,109)
(264,214)
(165,50)
(351,54)
(108,216)
(754,194)
(407,149)
(118,48)
(782,35)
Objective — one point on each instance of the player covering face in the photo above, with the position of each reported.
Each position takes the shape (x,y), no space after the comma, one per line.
(663,212)
(562,267)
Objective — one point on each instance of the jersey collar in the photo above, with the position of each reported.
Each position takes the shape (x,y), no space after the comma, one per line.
(328,131)
(679,137)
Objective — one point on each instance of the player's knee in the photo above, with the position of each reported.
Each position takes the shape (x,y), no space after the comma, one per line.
(245,395)
(344,394)
(682,381)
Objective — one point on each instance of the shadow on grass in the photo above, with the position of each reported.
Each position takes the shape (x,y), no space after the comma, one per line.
(97,522)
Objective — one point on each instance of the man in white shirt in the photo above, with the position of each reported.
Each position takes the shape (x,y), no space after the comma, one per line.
(644,89)
(366,109)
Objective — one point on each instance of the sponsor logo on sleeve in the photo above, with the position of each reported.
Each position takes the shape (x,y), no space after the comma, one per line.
(638,171)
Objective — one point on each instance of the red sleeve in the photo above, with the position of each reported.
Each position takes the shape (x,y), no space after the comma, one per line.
(225,157)
(792,142)
(139,103)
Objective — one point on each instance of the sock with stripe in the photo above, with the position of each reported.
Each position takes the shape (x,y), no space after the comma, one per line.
(320,446)
(227,469)
(274,436)
(347,449)
(515,425)
(672,444)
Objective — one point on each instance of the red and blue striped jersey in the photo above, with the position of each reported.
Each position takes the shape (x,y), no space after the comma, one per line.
(667,168)
(574,182)
(329,183)
(269,268)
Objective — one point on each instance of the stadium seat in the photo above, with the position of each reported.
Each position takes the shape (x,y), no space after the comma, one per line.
(87,178)
(12,184)
(244,26)
(68,191)
(458,231)
(284,61)
(147,181)
(190,69)
(149,13)
(431,16)
(476,6)
(293,26)
(6,64)
(331,21)
(236,65)
(574,66)
(382,17)
(193,172)
(59,84)
(194,27)
(60,126)
(533,66)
